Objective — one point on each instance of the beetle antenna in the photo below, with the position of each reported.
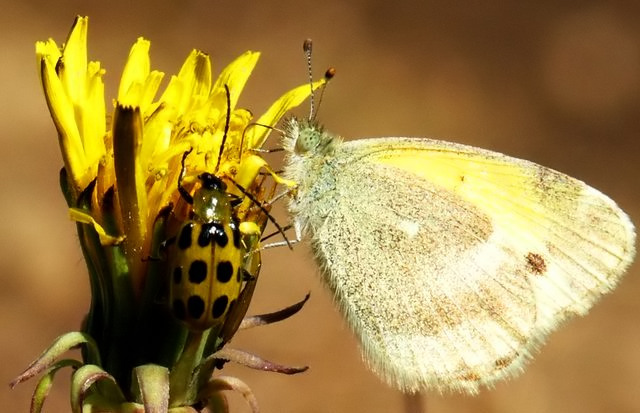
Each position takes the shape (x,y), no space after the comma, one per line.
(226,127)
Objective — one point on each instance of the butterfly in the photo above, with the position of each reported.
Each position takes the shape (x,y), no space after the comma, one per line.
(450,263)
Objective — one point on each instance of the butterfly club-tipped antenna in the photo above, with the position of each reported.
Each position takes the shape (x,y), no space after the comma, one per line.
(307,47)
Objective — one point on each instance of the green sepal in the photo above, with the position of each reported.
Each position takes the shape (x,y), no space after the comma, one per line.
(99,318)
(151,387)
(212,391)
(217,402)
(82,385)
(102,295)
(60,346)
(46,381)
(96,403)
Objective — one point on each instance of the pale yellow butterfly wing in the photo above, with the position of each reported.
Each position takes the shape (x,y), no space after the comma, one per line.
(450,263)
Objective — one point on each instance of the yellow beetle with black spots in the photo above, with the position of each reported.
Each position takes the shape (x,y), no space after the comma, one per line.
(206,258)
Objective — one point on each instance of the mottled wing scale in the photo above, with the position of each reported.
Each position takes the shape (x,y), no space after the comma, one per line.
(451,263)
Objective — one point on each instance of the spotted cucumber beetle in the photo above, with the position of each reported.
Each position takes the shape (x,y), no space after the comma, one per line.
(206,257)
(214,252)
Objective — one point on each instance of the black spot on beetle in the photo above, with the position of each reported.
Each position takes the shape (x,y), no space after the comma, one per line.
(198,271)
(206,234)
(212,231)
(219,306)
(221,237)
(184,239)
(224,271)
(236,235)
(195,307)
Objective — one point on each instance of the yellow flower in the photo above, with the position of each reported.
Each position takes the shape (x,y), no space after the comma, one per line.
(119,179)
(140,154)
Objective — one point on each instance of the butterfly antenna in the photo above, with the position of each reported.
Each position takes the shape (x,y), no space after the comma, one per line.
(328,75)
(226,127)
(307,46)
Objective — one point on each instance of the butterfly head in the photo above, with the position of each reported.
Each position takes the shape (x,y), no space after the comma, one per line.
(304,137)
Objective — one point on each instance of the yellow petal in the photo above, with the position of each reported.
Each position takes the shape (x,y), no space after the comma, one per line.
(235,76)
(157,136)
(149,90)
(172,95)
(195,74)
(63,116)
(93,117)
(47,50)
(74,59)
(135,73)
(105,239)
(195,78)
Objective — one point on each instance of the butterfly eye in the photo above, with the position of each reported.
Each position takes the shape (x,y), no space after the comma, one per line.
(312,139)
(307,141)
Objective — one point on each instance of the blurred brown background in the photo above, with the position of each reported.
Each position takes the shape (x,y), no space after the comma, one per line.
(555,83)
